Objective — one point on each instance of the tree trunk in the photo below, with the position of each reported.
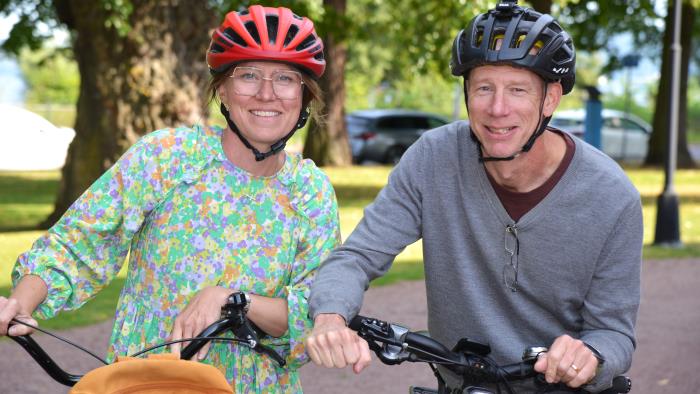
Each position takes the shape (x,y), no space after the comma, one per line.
(658,142)
(543,6)
(327,144)
(151,77)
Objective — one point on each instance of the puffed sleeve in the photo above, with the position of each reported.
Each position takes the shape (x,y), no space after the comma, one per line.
(319,235)
(86,248)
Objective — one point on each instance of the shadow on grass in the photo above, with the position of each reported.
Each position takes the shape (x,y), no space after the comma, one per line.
(22,190)
(356,195)
(682,200)
(97,310)
(687,250)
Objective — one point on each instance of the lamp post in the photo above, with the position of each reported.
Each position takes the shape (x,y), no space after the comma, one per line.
(667,221)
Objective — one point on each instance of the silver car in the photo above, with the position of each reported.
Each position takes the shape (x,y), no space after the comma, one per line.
(624,137)
(383,135)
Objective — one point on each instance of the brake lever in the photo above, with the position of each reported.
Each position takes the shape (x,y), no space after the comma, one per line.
(242,328)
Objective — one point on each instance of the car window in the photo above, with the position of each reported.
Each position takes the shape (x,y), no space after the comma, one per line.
(632,126)
(613,122)
(356,124)
(564,123)
(403,122)
(435,122)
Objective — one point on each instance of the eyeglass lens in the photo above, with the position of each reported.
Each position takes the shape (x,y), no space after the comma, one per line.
(247,81)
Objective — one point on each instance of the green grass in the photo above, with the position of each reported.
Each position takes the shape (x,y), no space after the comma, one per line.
(27,197)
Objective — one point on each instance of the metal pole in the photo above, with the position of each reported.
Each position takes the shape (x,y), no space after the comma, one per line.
(667,220)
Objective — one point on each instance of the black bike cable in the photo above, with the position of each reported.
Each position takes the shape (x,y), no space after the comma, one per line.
(223,339)
(61,339)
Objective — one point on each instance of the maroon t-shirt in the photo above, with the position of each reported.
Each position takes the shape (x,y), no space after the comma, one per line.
(518,204)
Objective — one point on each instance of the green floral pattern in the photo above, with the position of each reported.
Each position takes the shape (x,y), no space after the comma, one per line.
(191,219)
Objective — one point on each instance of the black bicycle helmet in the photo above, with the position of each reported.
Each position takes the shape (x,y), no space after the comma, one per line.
(527,38)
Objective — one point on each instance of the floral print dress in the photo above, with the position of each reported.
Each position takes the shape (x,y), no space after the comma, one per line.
(188,219)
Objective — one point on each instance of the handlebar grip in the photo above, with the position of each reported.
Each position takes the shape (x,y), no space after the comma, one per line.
(429,347)
(620,384)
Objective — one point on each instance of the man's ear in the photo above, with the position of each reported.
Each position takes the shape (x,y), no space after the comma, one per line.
(551,102)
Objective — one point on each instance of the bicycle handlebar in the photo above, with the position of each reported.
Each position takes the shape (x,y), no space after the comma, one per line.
(468,359)
(233,318)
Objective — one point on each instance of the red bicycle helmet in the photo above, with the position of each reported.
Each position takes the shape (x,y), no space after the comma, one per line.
(266,33)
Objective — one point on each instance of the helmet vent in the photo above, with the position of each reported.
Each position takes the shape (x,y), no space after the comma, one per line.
(216,48)
(233,36)
(560,56)
(250,26)
(308,41)
(272,23)
(319,56)
(291,33)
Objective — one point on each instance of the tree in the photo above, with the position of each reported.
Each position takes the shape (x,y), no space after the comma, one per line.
(140,67)
(658,143)
(327,142)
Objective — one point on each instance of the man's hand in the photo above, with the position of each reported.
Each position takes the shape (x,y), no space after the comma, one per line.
(332,344)
(568,361)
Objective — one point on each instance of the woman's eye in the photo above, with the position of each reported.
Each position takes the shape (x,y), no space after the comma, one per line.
(250,75)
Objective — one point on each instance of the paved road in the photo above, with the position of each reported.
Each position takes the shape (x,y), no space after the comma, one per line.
(667,358)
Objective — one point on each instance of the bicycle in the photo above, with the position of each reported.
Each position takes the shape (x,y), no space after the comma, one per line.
(468,360)
(233,319)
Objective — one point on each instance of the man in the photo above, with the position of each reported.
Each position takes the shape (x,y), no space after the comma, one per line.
(530,236)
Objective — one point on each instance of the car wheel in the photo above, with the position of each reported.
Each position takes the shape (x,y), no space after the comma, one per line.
(393,155)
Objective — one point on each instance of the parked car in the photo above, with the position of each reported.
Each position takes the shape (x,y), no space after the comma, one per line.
(624,137)
(30,142)
(383,135)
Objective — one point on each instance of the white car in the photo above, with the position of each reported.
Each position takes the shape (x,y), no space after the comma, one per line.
(30,142)
(624,137)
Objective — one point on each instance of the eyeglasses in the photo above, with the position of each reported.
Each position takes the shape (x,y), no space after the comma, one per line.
(286,84)
(512,247)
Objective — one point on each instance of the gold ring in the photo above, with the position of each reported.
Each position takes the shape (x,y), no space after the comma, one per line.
(574,367)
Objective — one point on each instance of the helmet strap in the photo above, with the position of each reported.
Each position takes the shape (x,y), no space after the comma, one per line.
(274,148)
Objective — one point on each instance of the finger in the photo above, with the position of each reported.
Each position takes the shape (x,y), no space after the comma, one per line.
(584,375)
(8,310)
(205,349)
(365,357)
(541,363)
(20,329)
(311,349)
(554,356)
(337,350)
(176,334)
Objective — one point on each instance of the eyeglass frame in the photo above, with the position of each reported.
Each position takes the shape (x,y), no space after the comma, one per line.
(263,78)
(511,229)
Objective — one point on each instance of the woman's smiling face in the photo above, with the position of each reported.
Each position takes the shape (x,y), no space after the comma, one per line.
(263,118)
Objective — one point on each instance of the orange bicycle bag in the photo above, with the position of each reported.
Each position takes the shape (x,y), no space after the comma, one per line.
(159,373)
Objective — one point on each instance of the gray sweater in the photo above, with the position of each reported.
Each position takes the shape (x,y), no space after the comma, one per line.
(578,264)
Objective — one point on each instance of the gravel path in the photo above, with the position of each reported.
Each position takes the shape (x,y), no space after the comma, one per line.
(667,359)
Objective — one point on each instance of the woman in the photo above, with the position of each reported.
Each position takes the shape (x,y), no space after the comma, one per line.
(202,217)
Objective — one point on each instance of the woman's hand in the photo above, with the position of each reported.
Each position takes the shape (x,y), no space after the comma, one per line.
(203,310)
(9,309)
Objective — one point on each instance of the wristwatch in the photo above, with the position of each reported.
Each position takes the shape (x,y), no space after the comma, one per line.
(239,299)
